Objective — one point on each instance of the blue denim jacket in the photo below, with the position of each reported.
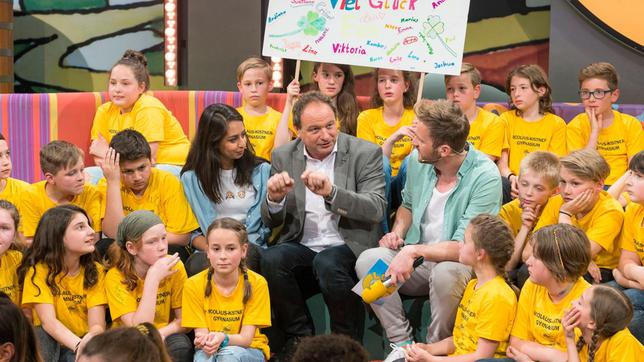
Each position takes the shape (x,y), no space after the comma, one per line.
(205,212)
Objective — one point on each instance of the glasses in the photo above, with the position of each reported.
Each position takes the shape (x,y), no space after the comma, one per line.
(597,93)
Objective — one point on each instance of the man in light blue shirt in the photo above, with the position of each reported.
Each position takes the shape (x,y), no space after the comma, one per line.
(448,183)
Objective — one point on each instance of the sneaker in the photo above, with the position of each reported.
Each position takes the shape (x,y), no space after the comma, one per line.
(397,354)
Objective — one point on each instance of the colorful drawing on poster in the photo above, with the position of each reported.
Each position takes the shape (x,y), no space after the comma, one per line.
(412,35)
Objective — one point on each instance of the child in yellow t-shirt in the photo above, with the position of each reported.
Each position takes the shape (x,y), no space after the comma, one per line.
(11,189)
(227,304)
(538,181)
(388,125)
(131,107)
(601,314)
(630,273)
(336,82)
(616,136)
(62,164)
(255,81)
(486,311)
(487,130)
(531,124)
(63,282)
(561,256)
(10,258)
(132,184)
(582,202)
(144,283)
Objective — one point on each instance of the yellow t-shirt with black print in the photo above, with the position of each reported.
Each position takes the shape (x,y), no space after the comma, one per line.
(153,120)
(9,284)
(487,312)
(617,143)
(227,314)
(261,130)
(36,202)
(511,214)
(122,301)
(373,128)
(164,197)
(14,191)
(487,133)
(633,232)
(602,224)
(523,137)
(539,319)
(620,347)
(73,301)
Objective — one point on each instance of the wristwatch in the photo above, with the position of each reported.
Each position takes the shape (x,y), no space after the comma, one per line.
(329,198)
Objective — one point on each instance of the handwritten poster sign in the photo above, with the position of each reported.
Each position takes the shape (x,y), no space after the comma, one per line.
(416,35)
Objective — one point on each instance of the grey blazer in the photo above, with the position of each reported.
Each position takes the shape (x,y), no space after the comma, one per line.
(360,199)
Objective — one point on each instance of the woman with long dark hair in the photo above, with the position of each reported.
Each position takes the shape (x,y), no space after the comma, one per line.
(222,177)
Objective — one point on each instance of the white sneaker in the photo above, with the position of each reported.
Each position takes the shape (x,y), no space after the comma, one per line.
(397,354)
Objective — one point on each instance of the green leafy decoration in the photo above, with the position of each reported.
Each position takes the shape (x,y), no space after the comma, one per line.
(433,27)
(311,24)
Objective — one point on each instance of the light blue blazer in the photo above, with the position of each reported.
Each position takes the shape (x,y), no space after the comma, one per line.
(204,209)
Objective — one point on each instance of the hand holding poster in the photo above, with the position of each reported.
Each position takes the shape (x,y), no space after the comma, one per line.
(414,35)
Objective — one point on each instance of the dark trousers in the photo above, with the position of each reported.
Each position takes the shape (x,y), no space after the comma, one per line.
(295,272)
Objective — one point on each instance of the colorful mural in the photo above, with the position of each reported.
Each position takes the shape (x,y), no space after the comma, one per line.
(70,45)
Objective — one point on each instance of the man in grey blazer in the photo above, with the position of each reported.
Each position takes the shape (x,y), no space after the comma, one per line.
(326,193)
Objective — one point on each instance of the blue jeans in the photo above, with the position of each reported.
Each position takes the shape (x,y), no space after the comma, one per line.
(51,350)
(636,296)
(231,354)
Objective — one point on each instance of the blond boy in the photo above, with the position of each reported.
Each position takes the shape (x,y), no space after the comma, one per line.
(538,181)
(254,81)
(616,136)
(582,202)
(62,164)
(487,130)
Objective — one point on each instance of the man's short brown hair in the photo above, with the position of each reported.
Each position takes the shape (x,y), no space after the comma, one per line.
(446,122)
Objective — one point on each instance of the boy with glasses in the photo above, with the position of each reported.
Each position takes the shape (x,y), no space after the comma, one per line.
(616,136)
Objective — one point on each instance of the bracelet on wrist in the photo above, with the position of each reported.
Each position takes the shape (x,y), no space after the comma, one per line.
(511,174)
(565,213)
(77,345)
(225,342)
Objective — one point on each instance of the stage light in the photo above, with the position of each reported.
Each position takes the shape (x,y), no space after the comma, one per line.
(171,45)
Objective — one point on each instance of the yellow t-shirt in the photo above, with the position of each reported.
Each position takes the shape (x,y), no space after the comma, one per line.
(73,302)
(602,225)
(621,347)
(164,196)
(633,231)
(372,127)
(150,117)
(122,301)
(261,130)
(511,214)
(14,192)
(523,137)
(617,143)
(539,319)
(487,312)
(36,202)
(219,313)
(487,133)
(9,284)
